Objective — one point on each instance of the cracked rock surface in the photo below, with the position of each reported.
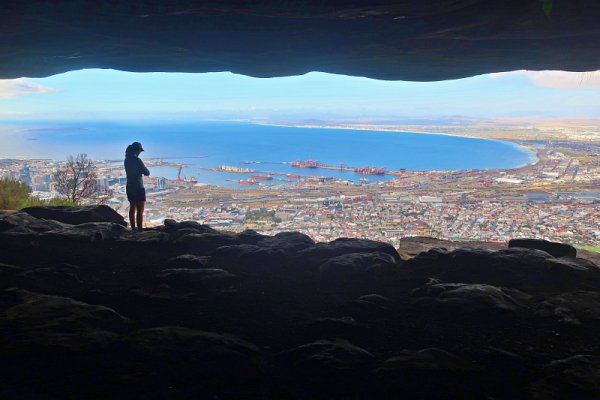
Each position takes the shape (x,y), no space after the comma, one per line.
(96,311)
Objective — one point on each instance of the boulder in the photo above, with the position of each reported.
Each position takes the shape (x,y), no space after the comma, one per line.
(326,355)
(170,225)
(57,321)
(18,221)
(189,261)
(77,215)
(320,252)
(249,236)
(552,248)
(573,308)
(365,310)
(59,280)
(89,231)
(431,359)
(289,242)
(205,243)
(412,246)
(163,340)
(521,268)
(573,264)
(468,298)
(146,237)
(431,373)
(375,298)
(576,377)
(353,264)
(251,259)
(269,255)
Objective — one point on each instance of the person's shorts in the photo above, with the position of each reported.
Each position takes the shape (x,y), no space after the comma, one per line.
(135,195)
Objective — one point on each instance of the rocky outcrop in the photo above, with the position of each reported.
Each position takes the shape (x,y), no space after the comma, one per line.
(397,40)
(410,247)
(18,221)
(462,298)
(96,311)
(522,268)
(57,321)
(77,215)
(554,249)
(576,377)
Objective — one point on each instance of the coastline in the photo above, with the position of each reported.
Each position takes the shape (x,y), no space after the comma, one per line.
(532,155)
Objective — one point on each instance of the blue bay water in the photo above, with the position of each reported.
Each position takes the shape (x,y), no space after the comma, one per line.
(226,143)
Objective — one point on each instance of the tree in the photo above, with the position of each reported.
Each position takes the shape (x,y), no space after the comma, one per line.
(77,179)
(13,194)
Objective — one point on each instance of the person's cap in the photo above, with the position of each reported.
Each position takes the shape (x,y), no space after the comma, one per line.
(137,146)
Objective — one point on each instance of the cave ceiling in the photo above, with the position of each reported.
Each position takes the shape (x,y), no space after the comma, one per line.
(398,40)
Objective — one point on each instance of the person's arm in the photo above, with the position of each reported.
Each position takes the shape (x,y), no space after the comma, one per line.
(143,168)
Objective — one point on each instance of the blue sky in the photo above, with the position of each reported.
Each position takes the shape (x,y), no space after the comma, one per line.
(109,94)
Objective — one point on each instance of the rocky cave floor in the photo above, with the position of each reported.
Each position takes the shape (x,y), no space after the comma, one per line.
(95,311)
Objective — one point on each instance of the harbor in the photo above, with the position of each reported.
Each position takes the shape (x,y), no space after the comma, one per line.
(268,175)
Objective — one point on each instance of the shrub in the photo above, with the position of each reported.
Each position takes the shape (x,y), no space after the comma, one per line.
(13,194)
(37,202)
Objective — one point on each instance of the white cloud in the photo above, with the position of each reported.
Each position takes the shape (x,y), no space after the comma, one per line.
(558,79)
(565,80)
(19,87)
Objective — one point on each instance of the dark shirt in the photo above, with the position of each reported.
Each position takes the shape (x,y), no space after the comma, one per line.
(135,168)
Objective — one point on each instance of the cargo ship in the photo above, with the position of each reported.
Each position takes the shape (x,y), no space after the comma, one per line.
(229,168)
(262,177)
(370,171)
(294,176)
(306,164)
(247,182)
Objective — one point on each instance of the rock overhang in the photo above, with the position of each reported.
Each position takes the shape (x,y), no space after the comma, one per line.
(394,40)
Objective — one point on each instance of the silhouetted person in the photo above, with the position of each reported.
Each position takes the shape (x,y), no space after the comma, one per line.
(136,194)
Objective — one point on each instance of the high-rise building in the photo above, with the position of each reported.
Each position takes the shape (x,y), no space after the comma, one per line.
(25,175)
(161,183)
(39,184)
(102,185)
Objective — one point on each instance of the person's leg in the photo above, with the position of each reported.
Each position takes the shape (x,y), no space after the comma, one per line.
(140,215)
(132,214)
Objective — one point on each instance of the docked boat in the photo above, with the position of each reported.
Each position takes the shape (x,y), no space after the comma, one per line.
(247,182)
(262,177)
(370,171)
(306,164)
(230,168)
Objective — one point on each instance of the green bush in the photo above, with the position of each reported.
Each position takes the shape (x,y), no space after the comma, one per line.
(13,194)
(37,202)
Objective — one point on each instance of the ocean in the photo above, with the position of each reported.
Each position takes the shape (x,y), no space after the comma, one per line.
(230,143)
